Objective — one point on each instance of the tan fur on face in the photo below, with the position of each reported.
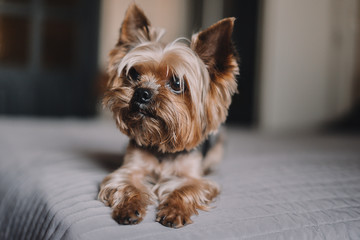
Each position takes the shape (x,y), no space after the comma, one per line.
(183,121)
(180,118)
(162,162)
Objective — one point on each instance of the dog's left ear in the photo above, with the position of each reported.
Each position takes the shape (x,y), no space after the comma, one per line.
(134,27)
(215,49)
(214,46)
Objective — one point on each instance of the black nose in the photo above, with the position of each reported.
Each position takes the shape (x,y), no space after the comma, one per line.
(142,95)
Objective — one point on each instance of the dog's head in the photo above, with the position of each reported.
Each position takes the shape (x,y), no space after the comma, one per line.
(170,96)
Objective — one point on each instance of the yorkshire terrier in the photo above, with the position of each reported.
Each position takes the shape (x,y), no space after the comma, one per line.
(170,100)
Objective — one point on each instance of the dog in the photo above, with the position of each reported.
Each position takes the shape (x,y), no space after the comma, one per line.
(170,100)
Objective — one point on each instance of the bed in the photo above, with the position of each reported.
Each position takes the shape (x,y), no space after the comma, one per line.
(273,186)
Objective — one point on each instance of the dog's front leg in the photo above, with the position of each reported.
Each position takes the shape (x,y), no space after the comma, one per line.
(181,190)
(179,204)
(128,190)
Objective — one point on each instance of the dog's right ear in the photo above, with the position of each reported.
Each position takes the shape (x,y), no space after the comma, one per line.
(135,27)
(134,30)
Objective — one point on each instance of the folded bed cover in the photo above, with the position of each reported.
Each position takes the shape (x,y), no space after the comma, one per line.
(273,187)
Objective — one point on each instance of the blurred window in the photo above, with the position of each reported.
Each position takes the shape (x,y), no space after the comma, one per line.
(48,57)
(58,44)
(14,37)
(67,3)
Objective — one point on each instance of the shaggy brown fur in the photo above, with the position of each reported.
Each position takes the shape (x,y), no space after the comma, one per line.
(168,98)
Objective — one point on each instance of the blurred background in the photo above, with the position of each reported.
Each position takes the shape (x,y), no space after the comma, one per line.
(300,60)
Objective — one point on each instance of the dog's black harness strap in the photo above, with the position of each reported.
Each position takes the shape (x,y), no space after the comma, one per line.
(208,144)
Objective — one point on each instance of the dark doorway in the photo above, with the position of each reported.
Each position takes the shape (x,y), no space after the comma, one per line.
(246,12)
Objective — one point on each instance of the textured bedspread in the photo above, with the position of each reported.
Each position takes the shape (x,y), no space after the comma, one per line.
(283,187)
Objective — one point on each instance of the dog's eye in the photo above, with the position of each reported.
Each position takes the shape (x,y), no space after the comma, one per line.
(176,85)
(133,74)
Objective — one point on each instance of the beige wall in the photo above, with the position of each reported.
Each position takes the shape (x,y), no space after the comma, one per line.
(356,90)
(307,62)
(212,12)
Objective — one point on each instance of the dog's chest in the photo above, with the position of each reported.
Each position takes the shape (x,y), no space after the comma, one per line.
(179,165)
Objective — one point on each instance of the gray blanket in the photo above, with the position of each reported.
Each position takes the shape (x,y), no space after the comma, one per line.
(273,187)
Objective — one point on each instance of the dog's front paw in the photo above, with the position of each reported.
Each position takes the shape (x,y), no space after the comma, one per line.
(128,203)
(130,211)
(174,213)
